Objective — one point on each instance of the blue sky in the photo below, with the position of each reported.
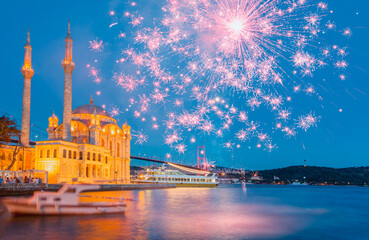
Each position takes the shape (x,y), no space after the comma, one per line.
(340,140)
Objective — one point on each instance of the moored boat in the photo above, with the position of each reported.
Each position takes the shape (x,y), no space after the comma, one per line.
(63,202)
(179,178)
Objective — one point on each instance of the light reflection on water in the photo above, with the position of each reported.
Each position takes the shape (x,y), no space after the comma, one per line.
(184,213)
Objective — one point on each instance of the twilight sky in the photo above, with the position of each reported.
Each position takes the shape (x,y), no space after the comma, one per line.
(339,140)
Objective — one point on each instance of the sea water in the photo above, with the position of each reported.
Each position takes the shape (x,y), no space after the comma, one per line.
(226,212)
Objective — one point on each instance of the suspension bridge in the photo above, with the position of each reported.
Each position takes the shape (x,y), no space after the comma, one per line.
(183,163)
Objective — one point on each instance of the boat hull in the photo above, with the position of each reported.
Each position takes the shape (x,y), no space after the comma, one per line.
(22,208)
(184,184)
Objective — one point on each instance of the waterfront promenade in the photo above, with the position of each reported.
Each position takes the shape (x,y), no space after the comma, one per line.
(11,189)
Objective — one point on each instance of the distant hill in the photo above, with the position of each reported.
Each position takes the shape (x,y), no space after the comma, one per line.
(318,175)
(309,174)
(137,168)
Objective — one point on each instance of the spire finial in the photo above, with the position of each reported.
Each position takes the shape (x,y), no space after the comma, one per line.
(28,38)
(68,28)
(91,100)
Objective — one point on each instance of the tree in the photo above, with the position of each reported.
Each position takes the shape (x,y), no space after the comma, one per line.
(9,132)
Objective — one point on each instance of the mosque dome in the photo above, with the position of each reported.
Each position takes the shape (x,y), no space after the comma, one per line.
(90,109)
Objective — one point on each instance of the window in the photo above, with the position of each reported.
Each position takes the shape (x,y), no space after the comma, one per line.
(41,153)
(84,140)
(69,154)
(94,156)
(64,153)
(80,155)
(111,146)
(74,140)
(106,159)
(70,190)
(54,155)
(20,157)
(118,148)
(74,155)
(99,157)
(88,155)
(102,143)
(48,153)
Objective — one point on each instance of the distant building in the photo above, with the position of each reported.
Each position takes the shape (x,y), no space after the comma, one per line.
(256,178)
(89,146)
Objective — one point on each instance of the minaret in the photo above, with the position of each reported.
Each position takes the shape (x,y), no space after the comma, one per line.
(68,66)
(27,72)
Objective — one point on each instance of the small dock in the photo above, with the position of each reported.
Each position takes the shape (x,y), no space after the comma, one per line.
(13,189)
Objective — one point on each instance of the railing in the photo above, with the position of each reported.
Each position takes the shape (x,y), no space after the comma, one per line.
(7,189)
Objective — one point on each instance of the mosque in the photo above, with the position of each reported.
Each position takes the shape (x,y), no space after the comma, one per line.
(87,147)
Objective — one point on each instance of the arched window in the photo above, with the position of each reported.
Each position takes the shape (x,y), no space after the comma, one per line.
(94,156)
(84,139)
(102,142)
(41,153)
(118,150)
(55,152)
(48,153)
(80,155)
(69,154)
(74,155)
(106,159)
(111,146)
(99,157)
(88,155)
(74,140)
(64,153)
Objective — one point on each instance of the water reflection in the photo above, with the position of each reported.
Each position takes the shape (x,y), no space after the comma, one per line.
(182,213)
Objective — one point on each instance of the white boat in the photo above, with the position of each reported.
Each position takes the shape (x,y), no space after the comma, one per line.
(178,178)
(63,202)
(299,183)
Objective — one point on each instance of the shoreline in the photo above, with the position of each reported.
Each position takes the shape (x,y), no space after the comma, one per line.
(29,189)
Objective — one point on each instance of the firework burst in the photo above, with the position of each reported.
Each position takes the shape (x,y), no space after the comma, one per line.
(209,65)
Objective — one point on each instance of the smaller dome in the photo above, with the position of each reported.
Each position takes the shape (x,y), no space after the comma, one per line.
(91,108)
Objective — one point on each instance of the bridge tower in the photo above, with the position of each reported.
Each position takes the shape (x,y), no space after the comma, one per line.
(200,155)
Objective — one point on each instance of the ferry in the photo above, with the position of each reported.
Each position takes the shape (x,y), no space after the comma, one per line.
(178,178)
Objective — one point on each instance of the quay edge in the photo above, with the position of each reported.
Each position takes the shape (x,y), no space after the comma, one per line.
(27,189)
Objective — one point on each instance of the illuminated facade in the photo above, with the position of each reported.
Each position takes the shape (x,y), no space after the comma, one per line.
(99,150)
(88,147)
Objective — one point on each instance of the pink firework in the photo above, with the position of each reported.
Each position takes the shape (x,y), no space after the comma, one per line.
(206,126)
(242,135)
(140,137)
(172,138)
(181,148)
(96,45)
(210,62)
(114,111)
